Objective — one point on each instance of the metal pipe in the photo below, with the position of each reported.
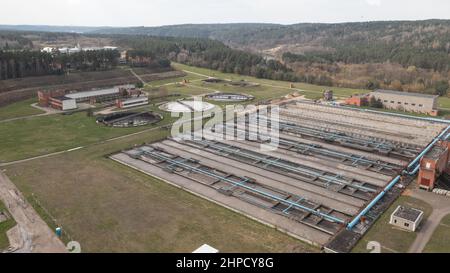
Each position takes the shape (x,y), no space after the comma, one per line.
(396,179)
(413,172)
(328,152)
(281,200)
(301,129)
(334,180)
(428,148)
(372,203)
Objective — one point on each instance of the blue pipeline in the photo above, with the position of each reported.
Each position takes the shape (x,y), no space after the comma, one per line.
(395,180)
(334,180)
(281,200)
(416,160)
(330,152)
(373,202)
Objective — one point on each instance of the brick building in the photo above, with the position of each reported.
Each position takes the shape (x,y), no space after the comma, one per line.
(433,164)
(358,100)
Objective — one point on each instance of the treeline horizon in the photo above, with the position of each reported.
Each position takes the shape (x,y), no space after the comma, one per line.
(29,63)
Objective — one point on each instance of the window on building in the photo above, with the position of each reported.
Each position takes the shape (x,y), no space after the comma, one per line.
(399,102)
(385,101)
(392,101)
(413,104)
(406,224)
(406,103)
(420,105)
(395,221)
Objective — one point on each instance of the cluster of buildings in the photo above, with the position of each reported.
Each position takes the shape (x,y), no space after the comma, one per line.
(76,49)
(397,100)
(124,96)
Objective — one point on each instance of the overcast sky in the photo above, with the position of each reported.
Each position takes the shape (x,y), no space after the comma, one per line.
(160,12)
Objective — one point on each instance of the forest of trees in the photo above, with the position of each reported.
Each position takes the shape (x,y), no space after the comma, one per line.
(26,63)
(20,64)
(403,55)
(209,54)
(13,40)
(147,58)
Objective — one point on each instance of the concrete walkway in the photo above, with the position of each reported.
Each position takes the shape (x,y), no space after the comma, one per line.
(441,208)
(31,233)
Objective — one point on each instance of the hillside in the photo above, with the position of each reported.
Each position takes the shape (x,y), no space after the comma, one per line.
(305,37)
(403,55)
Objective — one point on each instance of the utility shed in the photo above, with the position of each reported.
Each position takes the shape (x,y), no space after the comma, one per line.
(406,218)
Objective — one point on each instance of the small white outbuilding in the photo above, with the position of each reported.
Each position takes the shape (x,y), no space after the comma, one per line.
(406,218)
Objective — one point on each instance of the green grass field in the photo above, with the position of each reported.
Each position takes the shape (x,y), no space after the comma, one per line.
(189,77)
(440,241)
(444,102)
(42,135)
(19,109)
(109,207)
(4,227)
(392,239)
(338,91)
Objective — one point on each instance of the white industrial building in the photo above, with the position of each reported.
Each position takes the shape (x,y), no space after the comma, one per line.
(406,218)
(132,102)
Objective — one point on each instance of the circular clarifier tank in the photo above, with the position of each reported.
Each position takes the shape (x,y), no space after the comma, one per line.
(229,97)
(187,106)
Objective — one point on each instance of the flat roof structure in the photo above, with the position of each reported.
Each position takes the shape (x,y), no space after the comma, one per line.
(407,213)
(139,99)
(406,218)
(402,93)
(435,152)
(94,93)
(100,93)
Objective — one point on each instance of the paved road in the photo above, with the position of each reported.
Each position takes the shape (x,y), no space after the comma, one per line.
(441,208)
(32,233)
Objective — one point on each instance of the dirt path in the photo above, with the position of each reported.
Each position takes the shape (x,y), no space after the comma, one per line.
(31,234)
(137,76)
(195,73)
(441,207)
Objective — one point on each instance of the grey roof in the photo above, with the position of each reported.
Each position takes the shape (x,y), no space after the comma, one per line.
(142,98)
(94,93)
(435,152)
(100,92)
(407,213)
(401,93)
(61,98)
